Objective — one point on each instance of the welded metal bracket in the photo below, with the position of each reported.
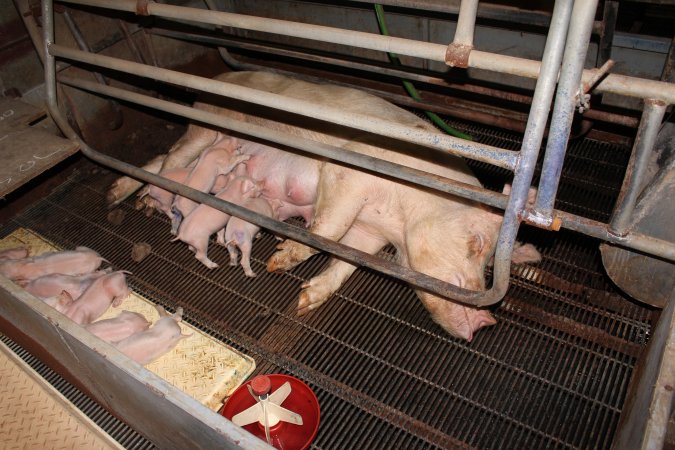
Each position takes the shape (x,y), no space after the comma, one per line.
(457,55)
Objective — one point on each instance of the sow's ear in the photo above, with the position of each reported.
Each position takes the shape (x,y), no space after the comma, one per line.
(479,245)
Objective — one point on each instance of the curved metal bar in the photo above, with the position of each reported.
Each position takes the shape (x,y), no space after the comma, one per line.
(534,133)
(84,46)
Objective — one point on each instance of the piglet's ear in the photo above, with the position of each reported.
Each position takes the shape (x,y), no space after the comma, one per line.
(64,298)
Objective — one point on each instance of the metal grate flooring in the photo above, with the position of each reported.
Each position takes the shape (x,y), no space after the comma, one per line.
(552,373)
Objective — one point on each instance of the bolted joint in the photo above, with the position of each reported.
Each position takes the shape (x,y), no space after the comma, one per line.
(457,55)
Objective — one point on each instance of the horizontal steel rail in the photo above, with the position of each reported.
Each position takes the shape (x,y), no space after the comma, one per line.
(617,84)
(636,241)
(376,165)
(502,158)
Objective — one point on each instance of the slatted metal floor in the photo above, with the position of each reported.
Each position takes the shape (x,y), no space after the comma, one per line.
(552,373)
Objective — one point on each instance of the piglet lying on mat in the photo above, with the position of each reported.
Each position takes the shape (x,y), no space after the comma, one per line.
(80,261)
(120,327)
(146,346)
(110,289)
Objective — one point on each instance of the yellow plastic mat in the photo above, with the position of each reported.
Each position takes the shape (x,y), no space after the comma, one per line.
(200,366)
(34,415)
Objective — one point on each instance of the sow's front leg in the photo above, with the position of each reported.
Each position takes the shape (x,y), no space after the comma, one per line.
(183,152)
(340,197)
(317,290)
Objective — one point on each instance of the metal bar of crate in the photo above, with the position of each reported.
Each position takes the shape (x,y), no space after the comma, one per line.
(618,84)
(466,22)
(563,111)
(445,143)
(652,116)
(561,22)
(360,258)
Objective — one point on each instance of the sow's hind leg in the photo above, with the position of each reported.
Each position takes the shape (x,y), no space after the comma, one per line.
(183,152)
(123,187)
(317,290)
(340,197)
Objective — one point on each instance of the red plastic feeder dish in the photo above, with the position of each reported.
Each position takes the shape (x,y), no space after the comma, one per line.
(279,409)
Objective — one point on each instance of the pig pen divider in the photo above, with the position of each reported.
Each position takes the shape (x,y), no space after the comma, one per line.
(493,155)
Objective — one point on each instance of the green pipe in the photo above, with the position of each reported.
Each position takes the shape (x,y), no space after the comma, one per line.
(410,89)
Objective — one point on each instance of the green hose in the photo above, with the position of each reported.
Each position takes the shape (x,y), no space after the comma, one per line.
(410,89)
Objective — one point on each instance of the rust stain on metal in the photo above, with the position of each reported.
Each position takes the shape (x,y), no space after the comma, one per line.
(457,55)
(655,102)
(574,328)
(142,7)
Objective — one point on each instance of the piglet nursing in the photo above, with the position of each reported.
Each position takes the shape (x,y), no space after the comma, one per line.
(148,345)
(219,159)
(240,234)
(80,261)
(110,289)
(204,221)
(120,327)
(152,198)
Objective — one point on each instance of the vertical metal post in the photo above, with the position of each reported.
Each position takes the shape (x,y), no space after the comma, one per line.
(652,115)
(82,43)
(668,72)
(49,60)
(569,86)
(609,15)
(466,23)
(534,133)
